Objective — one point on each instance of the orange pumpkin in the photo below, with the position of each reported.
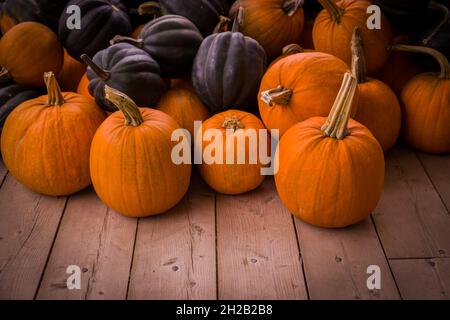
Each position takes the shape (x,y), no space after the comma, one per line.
(298,87)
(426,105)
(83,86)
(289,50)
(333,28)
(131,165)
(182,104)
(28,50)
(273,23)
(232,177)
(45,141)
(378,106)
(331,171)
(71,73)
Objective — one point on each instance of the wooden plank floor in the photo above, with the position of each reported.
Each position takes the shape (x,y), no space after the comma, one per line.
(213,246)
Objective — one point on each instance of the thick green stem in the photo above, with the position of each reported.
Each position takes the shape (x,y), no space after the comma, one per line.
(233,123)
(139,43)
(238,20)
(278,95)
(358,59)
(102,74)
(336,125)
(334,10)
(130,110)
(291,7)
(54,94)
(440,58)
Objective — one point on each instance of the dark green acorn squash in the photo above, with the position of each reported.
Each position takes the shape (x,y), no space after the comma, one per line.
(128,69)
(51,10)
(17,11)
(228,69)
(101,20)
(11,96)
(405,15)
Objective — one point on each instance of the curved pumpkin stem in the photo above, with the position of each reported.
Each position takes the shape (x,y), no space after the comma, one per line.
(291,7)
(333,9)
(54,94)
(292,49)
(238,20)
(139,43)
(222,26)
(233,123)
(278,95)
(446,13)
(358,59)
(130,110)
(150,8)
(440,58)
(102,74)
(336,125)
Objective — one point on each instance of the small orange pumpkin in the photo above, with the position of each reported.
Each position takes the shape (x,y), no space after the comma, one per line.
(45,141)
(182,104)
(378,106)
(71,73)
(232,177)
(331,171)
(83,86)
(131,165)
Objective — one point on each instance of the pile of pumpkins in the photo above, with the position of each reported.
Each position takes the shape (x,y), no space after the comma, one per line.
(95,98)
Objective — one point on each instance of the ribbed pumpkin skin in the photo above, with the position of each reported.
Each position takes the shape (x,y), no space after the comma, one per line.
(315,79)
(133,72)
(173,41)
(101,20)
(426,113)
(203,13)
(379,110)
(340,179)
(28,50)
(227,71)
(335,39)
(12,96)
(232,178)
(47,147)
(131,167)
(267,22)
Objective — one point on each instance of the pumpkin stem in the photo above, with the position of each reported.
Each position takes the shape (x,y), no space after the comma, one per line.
(334,10)
(139,43)
(358,59)
(102,74)
(150,8)
(232,123)
(336,125)
(238,20)
(4,73)
(54,94)
(130,110)
(278,95)
(440,58)
(445,12)
(222,26)
(292,49)
(291,7)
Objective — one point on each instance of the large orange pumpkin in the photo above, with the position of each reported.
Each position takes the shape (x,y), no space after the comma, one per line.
(331,171)
(426,105)
(45,142)
(28,50)
(131,165)
(378,106)
(273,23)
(298,87)
(333,28)
(232,177)
(71,73)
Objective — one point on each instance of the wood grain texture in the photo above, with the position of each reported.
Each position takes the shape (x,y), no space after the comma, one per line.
(258,256)
(438,169)
(411,219)
(423,278)
(28,223)
(175,252)
(100,242)
(336,262)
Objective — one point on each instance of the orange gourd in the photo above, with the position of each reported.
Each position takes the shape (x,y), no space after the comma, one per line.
(232,177)
(378,106)
(131,165)
(426,105)
(71,73)
(332,32)
(83,86)
(182,104)
(331,170)
(298,87)
(45,141)
(27,51)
